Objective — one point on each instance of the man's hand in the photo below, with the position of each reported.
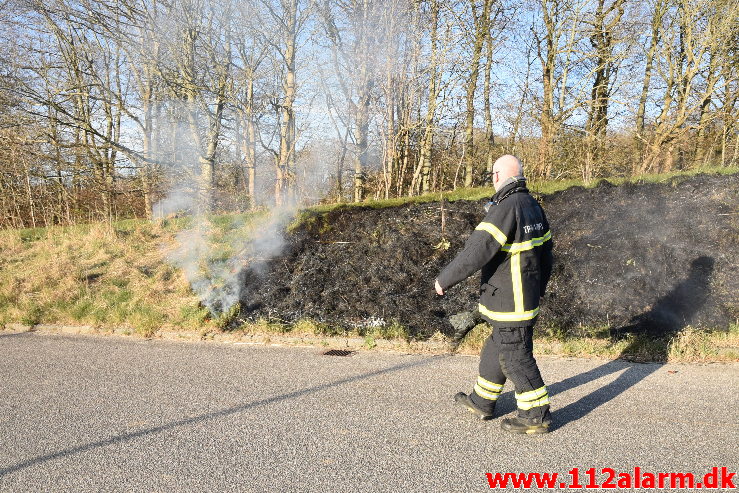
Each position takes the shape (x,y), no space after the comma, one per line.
(437,286)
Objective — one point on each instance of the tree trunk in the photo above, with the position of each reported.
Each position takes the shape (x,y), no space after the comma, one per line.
(361,117)
(489,135)
(657,15)
(285,184)
(546,118)
(601,40)
(482,32)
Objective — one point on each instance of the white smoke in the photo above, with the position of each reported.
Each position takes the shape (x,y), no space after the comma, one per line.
(213,260)
(179,200)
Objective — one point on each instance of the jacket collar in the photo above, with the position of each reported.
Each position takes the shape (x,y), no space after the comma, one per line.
(517,184)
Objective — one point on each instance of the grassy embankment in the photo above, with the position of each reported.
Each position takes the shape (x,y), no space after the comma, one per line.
(108,276)
(116,276)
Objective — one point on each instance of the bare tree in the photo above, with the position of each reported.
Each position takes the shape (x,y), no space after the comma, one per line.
(352,54)
(480,20)
(657,16)
(285,17)
(199,77)
(556,41)
(606,19)
(427,140)
(252,49)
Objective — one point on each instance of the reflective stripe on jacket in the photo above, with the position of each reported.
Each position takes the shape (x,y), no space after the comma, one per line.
(512,247)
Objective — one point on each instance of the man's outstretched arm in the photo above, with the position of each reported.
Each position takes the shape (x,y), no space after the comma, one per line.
(482,245)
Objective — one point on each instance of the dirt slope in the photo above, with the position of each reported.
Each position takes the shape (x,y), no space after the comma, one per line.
(653,257)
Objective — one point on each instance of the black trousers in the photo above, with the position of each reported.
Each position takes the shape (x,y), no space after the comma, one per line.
(508,354)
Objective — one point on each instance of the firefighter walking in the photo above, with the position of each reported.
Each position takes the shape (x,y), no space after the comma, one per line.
(512,247)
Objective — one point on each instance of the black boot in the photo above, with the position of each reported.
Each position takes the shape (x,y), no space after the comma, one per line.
(527,426)
(464,400)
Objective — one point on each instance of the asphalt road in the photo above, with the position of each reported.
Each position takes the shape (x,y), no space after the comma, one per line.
(111,414)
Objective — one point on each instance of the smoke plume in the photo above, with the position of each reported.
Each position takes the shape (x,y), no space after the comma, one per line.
(214,258)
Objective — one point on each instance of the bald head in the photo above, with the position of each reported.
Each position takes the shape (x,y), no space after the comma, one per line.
(506,167)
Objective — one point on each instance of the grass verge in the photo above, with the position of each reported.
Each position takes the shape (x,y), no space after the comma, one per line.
(96,275)
(690,345)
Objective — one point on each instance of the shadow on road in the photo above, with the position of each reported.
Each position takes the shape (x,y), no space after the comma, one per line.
(665,319)
(633,373)
(15,334)
(125,437)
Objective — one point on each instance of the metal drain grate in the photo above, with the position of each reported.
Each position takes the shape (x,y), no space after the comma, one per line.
(338,352)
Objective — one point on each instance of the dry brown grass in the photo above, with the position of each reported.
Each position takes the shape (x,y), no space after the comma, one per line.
(94,275)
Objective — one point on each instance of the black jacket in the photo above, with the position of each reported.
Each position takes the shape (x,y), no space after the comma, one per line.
(513,248)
